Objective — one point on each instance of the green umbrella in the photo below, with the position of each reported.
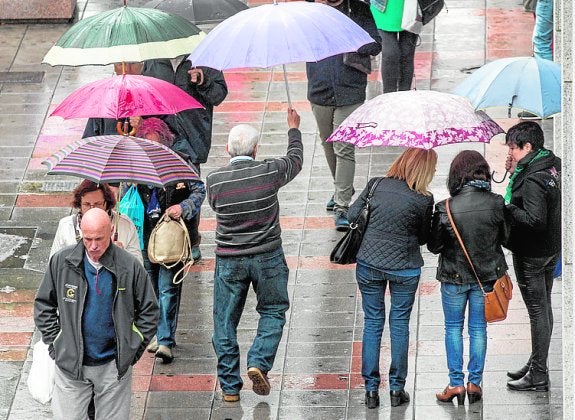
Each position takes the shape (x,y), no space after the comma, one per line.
(124,34)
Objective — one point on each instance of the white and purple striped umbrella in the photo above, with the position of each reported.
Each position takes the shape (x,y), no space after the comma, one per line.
(416,118)
(121,159)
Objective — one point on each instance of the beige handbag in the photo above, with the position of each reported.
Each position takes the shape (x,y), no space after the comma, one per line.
(170,244)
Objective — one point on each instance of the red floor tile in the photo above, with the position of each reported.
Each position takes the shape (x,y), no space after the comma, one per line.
(23,295)
(183,383)
(17,309)
(13,354)
(15,338)
(145,365)
(141,383)
(322,263)
(319,381)
(43,200)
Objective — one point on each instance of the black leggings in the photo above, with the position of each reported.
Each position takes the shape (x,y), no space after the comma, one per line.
(397,55)
(535,280)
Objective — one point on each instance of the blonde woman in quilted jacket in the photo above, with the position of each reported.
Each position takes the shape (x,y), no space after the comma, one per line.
(389,256)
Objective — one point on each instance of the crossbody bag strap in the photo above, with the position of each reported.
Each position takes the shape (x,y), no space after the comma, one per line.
(462,244)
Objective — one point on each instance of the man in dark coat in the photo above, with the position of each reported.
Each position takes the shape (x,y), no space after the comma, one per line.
(335,90)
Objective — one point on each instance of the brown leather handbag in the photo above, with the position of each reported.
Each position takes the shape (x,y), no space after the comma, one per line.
(496,301)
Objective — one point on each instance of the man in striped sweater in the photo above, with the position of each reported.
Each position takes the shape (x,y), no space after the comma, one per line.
(244,198)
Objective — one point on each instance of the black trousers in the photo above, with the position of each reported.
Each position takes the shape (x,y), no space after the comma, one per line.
(397,56)
(535,281)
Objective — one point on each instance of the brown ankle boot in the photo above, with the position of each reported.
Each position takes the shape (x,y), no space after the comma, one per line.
(474,392)
(449,394)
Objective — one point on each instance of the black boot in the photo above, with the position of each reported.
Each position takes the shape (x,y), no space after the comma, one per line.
(398,397)
(533,380)
(518,374)
(372,399)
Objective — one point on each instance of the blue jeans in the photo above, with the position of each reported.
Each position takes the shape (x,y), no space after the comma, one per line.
(268,274)
(168,295)
(543,31)
(372,285)
(455,298)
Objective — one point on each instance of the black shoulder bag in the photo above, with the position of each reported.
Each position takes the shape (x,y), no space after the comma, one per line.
(346,249)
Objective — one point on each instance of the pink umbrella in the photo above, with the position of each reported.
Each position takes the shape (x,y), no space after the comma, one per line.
(125,96)
(416,118)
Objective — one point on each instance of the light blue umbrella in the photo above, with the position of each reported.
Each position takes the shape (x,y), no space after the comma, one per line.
(531,84)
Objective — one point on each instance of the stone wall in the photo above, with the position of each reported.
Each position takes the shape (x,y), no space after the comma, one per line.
(564,129)
(36,10)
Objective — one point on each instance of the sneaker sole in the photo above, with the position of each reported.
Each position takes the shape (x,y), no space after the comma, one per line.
(230,398)
(261,386)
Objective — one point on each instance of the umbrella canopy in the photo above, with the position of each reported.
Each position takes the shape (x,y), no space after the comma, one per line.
(125,96)
(279,33)
(124,34)
(529,83)
(121,159)
(415,118)
(199,11)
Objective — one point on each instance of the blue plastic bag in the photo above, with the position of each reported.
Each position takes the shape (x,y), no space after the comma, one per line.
(132,206)
(558,269)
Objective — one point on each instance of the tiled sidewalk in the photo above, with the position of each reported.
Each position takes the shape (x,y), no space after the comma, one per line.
(317,371)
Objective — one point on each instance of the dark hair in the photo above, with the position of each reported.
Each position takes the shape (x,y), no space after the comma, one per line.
(468,165)
(87,186)
(525,132)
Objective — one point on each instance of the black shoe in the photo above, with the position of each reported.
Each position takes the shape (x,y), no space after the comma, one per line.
(398,397)
(532,381)
(372,399)
(518,374)
(330,204)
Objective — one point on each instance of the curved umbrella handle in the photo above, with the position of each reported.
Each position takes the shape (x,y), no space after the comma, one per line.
(502,179)
(124,130)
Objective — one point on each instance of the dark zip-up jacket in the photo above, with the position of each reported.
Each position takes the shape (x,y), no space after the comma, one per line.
(482,222)
(332,83)
(193,127)
(59,305)
(536,208)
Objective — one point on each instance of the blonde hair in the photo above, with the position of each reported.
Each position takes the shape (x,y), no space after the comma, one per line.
(416,167)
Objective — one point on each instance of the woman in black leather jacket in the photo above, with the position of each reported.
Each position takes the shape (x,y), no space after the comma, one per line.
(390,255)
(480,218)
(534,194)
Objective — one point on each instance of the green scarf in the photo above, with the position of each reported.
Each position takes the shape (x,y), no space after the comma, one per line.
(518,169)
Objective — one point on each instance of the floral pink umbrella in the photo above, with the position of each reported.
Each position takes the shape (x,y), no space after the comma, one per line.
(416,118)
(125,96)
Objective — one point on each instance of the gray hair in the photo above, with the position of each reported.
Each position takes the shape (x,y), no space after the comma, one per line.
(242,140)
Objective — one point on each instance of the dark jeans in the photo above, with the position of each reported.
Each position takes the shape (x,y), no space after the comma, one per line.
(397,55)
(535,281)
(268,274)
(372,285)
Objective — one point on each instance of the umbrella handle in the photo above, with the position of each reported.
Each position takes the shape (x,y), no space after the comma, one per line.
(287,87)
(124,131)
(502,179)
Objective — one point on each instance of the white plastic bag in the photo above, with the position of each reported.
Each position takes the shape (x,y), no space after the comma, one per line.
(41,378)
(411,19)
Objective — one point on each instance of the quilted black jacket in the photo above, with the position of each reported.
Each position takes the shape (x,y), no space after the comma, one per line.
(481,220)
(398,225)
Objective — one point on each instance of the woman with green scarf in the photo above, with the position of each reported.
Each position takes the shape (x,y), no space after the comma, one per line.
(534,197)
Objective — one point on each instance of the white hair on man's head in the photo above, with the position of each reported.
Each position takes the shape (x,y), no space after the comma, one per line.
(242,140)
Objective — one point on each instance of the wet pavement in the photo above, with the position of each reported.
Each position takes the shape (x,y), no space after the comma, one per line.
(317,371)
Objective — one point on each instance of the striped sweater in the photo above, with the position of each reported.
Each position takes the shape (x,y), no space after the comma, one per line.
(244,198)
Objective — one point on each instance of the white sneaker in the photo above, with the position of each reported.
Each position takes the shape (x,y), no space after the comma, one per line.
(153,346)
